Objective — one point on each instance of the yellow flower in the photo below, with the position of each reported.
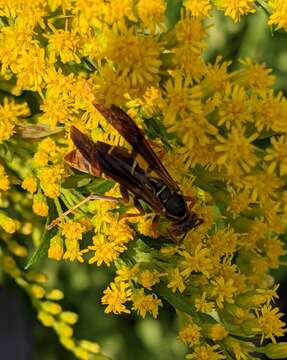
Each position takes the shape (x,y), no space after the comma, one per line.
(135,56)
(9,114)
(40,159)
(236,8)
(56,249)
(30,69)
(215,332)
(278,18)
(202,305)
(115,296)
(72,230)
(204,352)
(190,334)
(30,184)
(151,12)
(255,76)
(199,262)
(176,282)
(270,323)
(277,155)
(198,8)
(63,44)
(106,251)
(145,303)
(148,278)
(40,206)
(9,225)
(236,152)
(126,273)
(223,291)
(117,10)
(234,108)
(181,99)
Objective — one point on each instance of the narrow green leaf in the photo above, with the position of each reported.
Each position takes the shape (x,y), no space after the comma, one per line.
(42,249)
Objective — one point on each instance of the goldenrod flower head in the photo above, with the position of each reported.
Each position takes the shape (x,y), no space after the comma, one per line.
(63,44)
(40,206)
(151,12)
(190,334)
(9,225)
(10,112)
(117,10)
(236,8)
(203,352)
(223,290)
(56,248)
(143,304)
(106,251)
(136,56)
(277,155)
(202,305)
(30,184)
(72,230)
(115,296)
(278,18)
(198,8)
(148,278)
(270,323)
(215,332)
(176,281)
(40,159)
(255,76)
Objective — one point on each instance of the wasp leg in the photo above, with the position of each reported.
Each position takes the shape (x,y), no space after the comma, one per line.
(154,226)
(138,206)
(191,199)
(86,199)
(124,194)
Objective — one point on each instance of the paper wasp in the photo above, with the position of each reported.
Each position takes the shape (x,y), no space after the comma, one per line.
(159,191)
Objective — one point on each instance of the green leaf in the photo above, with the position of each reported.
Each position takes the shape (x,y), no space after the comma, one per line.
(42,249)
(76,181)
(100,186)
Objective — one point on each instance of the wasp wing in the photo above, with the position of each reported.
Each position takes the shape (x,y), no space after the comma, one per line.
(126,126)
(115,162)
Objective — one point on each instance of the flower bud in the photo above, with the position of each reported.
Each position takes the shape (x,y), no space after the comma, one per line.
(56,249)
(69,317)
(46,319)
(51,307)
(36,291)
(63,329)
(90,346)
(276,351)
(215,332)
(55,294)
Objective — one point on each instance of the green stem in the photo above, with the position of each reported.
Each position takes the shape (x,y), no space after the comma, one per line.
(58,206)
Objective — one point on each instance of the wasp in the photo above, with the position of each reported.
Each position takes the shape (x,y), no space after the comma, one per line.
(153,185)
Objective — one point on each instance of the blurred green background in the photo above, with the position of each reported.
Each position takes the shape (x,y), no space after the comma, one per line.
(127,337)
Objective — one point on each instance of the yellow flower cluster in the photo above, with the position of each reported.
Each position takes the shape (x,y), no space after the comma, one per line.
(223,138)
